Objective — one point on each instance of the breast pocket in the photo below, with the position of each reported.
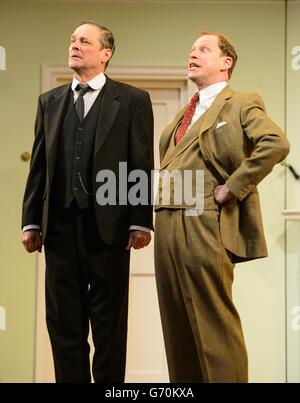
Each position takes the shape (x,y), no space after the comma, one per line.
(226,128)
(224,136)
(225,142)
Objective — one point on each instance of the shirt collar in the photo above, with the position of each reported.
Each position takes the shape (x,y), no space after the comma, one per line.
(95,83)
(211,91)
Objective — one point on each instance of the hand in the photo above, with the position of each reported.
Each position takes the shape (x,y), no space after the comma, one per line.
(138,239)
(222,194)
(32,240)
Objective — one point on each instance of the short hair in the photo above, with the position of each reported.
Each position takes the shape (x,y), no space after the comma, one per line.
(106,38)
(226,48)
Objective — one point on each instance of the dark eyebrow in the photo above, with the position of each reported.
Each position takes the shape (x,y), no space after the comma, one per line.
(81,37)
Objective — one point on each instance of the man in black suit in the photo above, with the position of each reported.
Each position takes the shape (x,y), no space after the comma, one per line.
(83,131)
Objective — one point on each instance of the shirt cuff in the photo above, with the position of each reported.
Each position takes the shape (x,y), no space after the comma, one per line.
(32,226)
(138,228)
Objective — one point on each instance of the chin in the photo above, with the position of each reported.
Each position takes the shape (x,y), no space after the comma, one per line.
(191,76)
(74,63)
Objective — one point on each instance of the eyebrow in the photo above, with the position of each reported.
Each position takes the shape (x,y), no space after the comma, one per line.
(206,45)
(80,37)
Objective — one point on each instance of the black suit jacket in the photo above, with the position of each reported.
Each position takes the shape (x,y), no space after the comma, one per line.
(124,134)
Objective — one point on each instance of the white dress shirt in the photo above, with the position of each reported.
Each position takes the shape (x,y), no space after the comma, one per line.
(89,97)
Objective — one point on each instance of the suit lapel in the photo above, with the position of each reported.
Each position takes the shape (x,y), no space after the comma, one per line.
(108,112)
(200,126)
(168,133)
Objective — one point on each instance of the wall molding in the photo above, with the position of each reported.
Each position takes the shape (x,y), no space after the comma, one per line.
(56,74)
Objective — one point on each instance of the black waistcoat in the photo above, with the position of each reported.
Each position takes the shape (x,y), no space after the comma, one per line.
(74,163)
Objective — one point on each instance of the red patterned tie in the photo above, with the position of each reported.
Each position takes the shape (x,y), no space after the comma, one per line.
(187,118)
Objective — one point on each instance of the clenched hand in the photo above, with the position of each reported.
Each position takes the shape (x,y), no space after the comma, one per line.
(138,239)
(32,240)
(222,194)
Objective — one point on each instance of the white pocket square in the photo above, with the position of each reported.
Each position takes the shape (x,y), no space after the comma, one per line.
(220,124)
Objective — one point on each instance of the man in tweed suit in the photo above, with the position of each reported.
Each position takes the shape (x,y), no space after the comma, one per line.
(235,144)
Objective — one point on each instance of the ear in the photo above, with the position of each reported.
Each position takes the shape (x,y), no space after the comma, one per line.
(105,54)
(227,62)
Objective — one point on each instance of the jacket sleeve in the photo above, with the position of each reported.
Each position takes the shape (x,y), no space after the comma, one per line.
(270,146)
(35,186)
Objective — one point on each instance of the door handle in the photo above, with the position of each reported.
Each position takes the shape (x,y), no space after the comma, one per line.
(25,156)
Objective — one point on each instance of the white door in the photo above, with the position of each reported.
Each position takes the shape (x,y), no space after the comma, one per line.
(146,360)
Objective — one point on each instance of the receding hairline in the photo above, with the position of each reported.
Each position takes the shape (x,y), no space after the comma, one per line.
(106,36)
(90,24)
(214,33)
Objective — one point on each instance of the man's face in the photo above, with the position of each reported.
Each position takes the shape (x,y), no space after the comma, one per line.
(206,63)
(86,54)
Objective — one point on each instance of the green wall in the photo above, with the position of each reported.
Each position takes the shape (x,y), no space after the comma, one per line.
(147,34)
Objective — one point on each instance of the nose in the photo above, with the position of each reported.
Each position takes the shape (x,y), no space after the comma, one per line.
(191,59)
(192,55)
(74,45)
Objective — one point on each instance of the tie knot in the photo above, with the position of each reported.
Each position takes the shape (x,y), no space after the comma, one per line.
(195,97)
(83,88)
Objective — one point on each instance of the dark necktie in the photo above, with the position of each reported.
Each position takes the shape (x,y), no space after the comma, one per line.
(79,105)
(187,118)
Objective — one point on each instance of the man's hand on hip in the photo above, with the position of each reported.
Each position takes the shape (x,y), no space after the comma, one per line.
(222,194)
(138,239)
(32,240)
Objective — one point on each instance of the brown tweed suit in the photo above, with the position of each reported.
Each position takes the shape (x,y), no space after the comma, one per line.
(195,256)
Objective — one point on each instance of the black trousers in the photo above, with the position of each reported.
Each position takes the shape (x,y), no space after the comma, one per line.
(86,282)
